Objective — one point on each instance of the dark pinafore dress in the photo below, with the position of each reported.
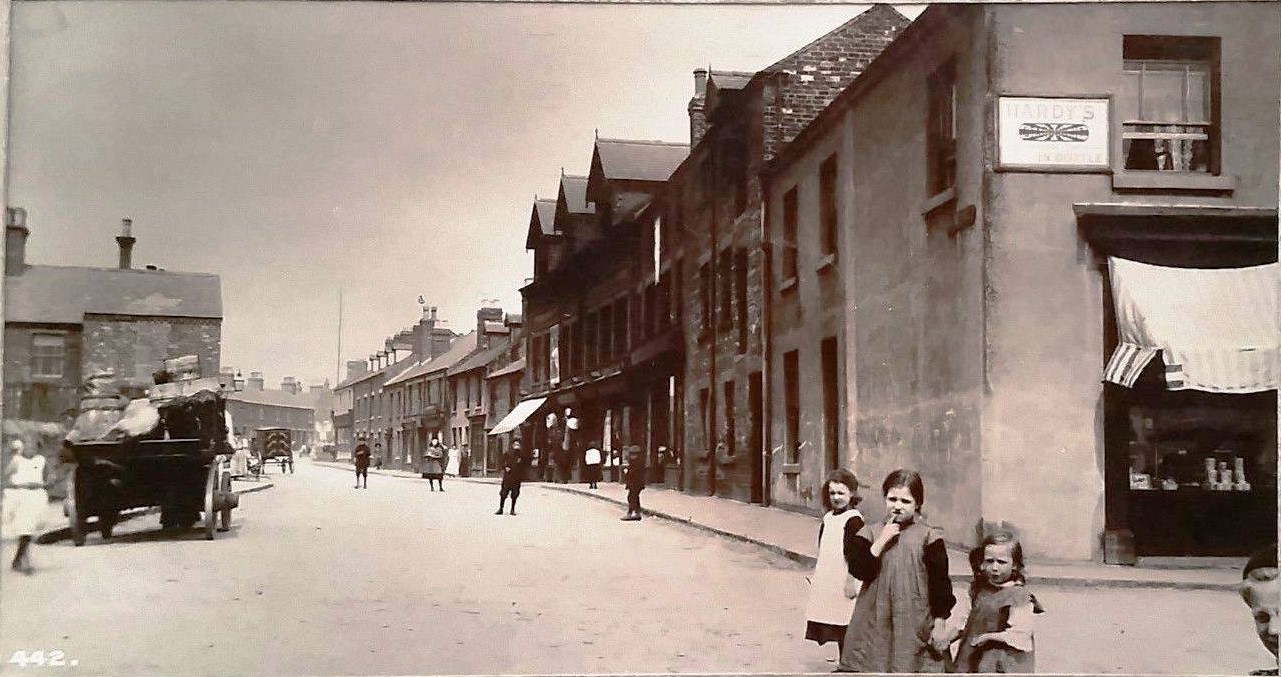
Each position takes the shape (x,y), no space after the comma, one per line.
(991,613)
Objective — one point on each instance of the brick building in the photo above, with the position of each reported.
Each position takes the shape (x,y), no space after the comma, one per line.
(587,316)
(738,122)
(470,413)
(987,295)
(64,323)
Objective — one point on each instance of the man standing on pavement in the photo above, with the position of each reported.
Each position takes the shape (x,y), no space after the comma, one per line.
(361,458)
(635,482)
(591,464)
(513,463)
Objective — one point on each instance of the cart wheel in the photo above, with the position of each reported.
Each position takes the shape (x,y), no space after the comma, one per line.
(225,513)
(73,507)
(107,522)
(211,486)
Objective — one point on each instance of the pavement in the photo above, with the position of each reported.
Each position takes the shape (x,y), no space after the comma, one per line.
(795,536)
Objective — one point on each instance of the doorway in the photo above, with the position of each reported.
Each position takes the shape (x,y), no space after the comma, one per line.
(755,437)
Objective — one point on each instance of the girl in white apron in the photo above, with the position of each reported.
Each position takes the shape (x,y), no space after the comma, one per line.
(25,498)
(833,588)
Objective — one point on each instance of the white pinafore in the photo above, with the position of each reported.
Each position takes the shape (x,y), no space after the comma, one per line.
(828,603)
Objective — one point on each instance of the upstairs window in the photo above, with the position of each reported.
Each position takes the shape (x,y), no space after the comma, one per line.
(48,355)
(705,294)
(940,141)
(789,235)
(827,192)
(1169,102)
(725,276)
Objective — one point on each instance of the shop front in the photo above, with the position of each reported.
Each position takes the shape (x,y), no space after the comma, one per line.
(1190,392)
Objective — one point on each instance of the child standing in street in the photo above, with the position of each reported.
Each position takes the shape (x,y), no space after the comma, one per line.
(834,588)
(513,464)
(635,483)
(591,464)
(361,460)
(25,498)
(899,621)
(998,632)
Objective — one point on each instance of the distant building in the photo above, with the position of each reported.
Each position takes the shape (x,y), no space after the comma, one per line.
(64,323)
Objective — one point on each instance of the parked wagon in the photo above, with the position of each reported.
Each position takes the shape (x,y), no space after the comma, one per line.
(172,460)
(274,445)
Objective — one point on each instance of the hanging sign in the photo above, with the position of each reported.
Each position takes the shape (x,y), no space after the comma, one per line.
(1053,134)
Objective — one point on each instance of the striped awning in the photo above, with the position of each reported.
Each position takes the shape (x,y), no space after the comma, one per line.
(517,415)
(1217,330)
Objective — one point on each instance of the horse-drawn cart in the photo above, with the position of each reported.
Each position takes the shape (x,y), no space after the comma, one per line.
(165,451)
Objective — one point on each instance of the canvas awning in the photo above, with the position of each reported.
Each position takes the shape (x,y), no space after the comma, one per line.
(517,416)
(1217,329)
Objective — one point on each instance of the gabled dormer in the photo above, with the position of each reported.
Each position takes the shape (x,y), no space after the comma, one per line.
(542,237)
(575,213)
(626,175)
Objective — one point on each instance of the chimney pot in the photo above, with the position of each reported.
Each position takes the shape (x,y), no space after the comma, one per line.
(126,227)
(700,82)
(15,240)
(125,239)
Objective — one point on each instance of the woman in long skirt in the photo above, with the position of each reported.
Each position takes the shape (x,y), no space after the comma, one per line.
(434,464)
(25,498)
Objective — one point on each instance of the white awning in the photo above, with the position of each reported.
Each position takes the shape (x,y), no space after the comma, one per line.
(517,416)
(1216,328)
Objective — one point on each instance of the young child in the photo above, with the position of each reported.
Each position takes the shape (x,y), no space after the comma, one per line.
(1261,591)
(899,621)
(25,498)
(998,632)
(833,587)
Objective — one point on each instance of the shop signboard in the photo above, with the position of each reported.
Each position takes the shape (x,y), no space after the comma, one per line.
(1053,134)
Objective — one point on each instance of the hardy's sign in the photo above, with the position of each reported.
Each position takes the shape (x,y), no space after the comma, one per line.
(1052,134)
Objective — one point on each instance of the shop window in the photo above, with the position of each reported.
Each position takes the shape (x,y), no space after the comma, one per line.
(1168,103)
(827,192)
(940,141)
(792,406)
(48,355)
(788,264)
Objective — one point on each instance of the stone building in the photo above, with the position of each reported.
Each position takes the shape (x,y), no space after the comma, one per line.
(738,123)
(65,323)
(987,338)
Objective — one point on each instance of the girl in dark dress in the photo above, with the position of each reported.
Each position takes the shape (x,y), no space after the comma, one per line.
(899,621)
(998,632)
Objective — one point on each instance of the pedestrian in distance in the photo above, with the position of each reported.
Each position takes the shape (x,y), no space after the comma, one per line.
(378,455)
(833,587)
(591,464)
(513,462)
(433,469)
(361,458)
(1261,591)
(453,463)
(998,633)
(900,618)
(635,483)
(25,499)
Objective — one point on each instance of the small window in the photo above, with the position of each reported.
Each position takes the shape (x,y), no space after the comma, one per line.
(1168,103)
(828,206)
(740,295)
(788,267)
(831,402)
(48,355)
(941,128)
(705,294)
(792,406)
(725,278)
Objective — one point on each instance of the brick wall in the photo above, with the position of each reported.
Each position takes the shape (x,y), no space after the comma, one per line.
(33,398)
(136,347)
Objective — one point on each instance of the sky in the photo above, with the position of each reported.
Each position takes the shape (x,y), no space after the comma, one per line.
(387,150)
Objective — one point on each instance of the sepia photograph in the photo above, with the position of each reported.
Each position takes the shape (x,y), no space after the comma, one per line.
(746,338)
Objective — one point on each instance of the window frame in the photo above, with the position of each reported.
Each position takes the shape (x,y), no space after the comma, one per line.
(39,360)
(1166,52)
(941,127)
(789,265)
(829,205)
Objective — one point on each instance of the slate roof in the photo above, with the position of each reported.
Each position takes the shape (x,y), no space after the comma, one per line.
(348,382)
(573,189)
(730,79)
(481,358)
(65,294)
(458,349)
(275,398)
(514,367)
(638,160)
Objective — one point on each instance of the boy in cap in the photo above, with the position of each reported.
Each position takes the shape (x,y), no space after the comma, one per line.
(635,483)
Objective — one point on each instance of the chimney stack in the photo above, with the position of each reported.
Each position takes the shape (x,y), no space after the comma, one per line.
(125,239)
(255,381)
(15,240)
(484,316)
(697,108)
(357,367)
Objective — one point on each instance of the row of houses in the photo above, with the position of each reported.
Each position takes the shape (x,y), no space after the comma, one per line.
(925,244)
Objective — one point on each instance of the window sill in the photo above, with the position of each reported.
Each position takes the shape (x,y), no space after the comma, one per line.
(826,263)
(789,283)
(940,201)
(791,468)
(1158,180)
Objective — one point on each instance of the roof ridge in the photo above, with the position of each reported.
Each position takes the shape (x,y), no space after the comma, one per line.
(122,270)
(645,142)
(716,72)
(878,7)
